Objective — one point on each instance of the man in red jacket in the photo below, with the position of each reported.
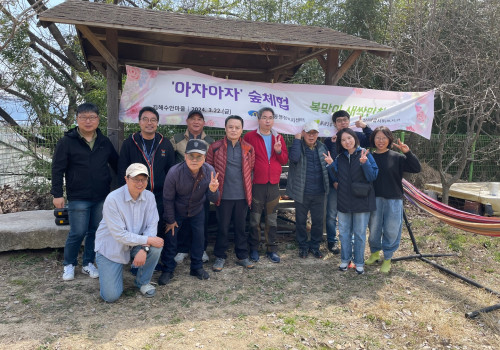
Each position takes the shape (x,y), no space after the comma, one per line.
(233,159)
(270,155)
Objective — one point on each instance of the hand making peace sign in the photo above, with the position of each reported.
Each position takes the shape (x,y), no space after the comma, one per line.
(214,183)
(328,158)
(277,144)
(401,146)
(364,158)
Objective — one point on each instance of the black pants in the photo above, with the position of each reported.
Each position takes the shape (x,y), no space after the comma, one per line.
(184,235)
(236,210)
(315,204)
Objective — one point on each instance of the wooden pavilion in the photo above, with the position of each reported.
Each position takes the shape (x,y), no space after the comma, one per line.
(113,36)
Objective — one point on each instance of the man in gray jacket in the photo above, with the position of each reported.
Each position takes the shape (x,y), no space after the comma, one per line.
(308,184)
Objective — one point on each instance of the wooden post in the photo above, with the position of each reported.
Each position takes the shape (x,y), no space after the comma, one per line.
(332,66)
(115,128)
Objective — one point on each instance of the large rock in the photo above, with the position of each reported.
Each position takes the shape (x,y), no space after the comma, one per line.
(31,230)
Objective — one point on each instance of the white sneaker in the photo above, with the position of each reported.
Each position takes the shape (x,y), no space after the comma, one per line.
(90,270)
(69,273)
(180,257)
(205,257)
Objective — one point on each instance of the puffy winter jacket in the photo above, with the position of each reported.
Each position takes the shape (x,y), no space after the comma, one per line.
(217,157)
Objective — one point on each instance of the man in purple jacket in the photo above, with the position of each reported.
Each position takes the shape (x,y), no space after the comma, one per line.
(186,188)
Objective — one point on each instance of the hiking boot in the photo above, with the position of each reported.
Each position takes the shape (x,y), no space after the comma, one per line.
(303,253)
(69,273)
(219,264)
(205,257)
(246,263)
(343,267)
(254,255)
(179,258)
(333,247)
(148,290)
(165,278)
(200,274)
(273,256)
(386,266)
(90,270)
(316,253)
(374,257)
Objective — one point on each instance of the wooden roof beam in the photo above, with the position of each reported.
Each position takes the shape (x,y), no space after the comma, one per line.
(298,60)
(198,47)
(152,64)
(345,66)
(99,46)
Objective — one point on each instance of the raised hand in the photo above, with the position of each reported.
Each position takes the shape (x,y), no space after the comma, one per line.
(214,183)
(277,144)
(360,124)
(364,158)
(401,146)
(328,158)
(298,136)
(334,138)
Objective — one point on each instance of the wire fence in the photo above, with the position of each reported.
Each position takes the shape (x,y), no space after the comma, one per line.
(25,154)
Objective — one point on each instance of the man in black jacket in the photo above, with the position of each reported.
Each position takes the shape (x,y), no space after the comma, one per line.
(82,157)
(154,151)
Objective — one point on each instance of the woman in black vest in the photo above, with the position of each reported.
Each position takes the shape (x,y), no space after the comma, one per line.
(353,171)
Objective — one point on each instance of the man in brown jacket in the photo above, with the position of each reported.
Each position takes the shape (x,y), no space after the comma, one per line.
(233,160)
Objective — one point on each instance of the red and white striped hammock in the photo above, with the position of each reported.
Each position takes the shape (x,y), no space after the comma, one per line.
(482,225)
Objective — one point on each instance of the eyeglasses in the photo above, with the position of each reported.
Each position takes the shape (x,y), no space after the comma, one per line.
(195,158)
(342,120)
(91,118)
(137,180)
(266,118)
(146,120)
(312,133)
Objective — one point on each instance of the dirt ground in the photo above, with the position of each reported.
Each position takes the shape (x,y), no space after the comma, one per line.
(297,304)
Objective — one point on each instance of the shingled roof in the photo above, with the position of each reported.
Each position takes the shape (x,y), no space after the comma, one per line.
(241,49)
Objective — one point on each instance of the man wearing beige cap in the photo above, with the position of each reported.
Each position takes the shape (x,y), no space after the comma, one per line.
(128,231)
(308,184)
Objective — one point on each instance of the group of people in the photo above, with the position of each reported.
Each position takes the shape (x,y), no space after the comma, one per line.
(159,215)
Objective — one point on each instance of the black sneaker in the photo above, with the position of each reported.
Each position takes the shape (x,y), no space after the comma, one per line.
(316,253)
(200,274)
(165,278)
(303,253)
(333,247)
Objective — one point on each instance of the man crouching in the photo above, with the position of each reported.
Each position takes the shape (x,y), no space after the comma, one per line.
(128,231)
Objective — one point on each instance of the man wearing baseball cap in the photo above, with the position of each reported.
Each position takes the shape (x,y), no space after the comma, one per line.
(186,188)
(307,184)
(128,231)
(195,122)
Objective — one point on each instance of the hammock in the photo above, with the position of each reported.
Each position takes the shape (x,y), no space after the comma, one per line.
(482,225)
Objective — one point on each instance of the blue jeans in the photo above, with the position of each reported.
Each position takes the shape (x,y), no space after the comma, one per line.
(84,218)
(331,215)
(111,273)
(386,223)
(353,224)
(315,204)
(197,224)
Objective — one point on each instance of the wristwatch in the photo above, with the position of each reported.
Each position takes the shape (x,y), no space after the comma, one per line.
(145,248)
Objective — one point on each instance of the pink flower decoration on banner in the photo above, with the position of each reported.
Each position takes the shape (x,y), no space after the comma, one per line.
(133,73)
(421,117)
(210,123)
(153,73)
(358,91)
(410,128)
(133,112)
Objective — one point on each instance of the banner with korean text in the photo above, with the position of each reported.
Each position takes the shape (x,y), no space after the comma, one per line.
(175,93)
